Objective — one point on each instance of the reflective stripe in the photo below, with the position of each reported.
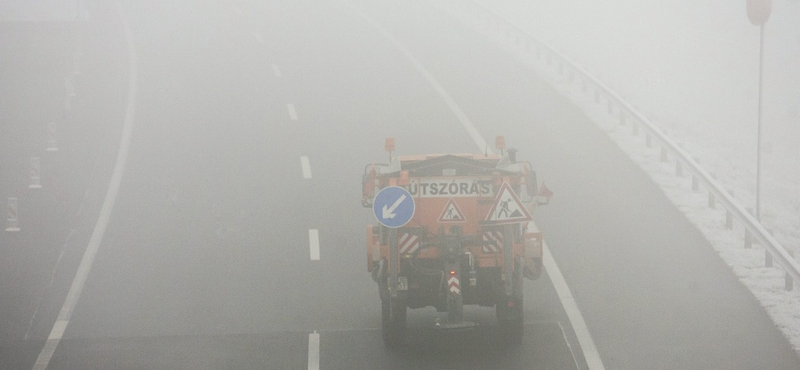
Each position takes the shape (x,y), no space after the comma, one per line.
(408,243)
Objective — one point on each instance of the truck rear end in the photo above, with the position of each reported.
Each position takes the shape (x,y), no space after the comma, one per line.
(452,230)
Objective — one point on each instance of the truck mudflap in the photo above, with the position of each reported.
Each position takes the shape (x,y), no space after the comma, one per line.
(532,242)
(455,301)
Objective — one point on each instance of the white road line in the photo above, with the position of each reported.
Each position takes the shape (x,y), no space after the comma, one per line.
(58,329)
(567,300)
(258,37)
(569,345)
(573,313)
(313,351)
(451,103)
(47,289)
(313,244)
(292,112)
(306,167)
(105,213)
(276,70)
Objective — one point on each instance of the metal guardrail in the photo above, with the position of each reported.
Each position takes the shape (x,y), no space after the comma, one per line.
(516,34)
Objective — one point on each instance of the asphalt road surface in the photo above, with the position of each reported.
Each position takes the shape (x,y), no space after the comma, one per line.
(206,262)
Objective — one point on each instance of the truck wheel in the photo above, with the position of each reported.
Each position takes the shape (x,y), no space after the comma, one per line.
(510,319)
(394,328)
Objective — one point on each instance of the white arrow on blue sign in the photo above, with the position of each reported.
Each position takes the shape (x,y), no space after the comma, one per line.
(393,206)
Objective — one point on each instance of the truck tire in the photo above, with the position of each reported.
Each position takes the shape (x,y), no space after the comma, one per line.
(510,319)
(394,328)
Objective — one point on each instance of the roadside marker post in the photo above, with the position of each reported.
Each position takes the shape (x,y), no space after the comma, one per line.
(36,181)
(52,144)
(76,63)
(13,218)
(69,87)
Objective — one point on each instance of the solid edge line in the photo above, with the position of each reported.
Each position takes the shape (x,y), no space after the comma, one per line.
(313,244)
(313,351)
(573,313)
(564,294)
(306,167)
(105,213)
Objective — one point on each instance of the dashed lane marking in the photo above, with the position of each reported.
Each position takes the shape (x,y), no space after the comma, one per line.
(313,351)
(306,167)
(292,112)
(313,244)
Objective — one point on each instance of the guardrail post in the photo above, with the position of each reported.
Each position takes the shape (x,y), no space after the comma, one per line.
(748,237)
(767,255)
(728,220)
(788,282)
(712,202)
(663,154)
(729,216)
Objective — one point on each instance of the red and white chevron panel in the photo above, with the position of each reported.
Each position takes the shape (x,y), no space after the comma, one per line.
(408,243)
(492,241)
(454,285)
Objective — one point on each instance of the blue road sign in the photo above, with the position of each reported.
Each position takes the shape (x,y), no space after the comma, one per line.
(393,206)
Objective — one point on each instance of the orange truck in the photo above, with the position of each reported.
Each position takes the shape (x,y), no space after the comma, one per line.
(452,229)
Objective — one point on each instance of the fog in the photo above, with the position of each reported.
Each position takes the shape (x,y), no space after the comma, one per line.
(181,180)
(701,58)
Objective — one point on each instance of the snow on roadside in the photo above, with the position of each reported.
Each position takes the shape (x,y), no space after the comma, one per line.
(766,284)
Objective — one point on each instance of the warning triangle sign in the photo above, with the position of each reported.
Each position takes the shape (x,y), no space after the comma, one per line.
(451,213)
(507,208)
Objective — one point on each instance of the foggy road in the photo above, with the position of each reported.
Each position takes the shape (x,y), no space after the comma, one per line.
(253,123)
